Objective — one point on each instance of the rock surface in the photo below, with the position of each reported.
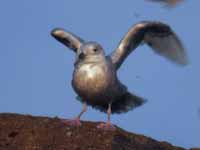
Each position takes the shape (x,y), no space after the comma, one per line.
(25,132)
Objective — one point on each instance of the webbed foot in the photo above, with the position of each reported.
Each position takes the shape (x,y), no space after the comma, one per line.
(106,126)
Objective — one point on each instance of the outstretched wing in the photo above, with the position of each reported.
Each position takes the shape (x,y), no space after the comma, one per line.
(158,36)
(68,39)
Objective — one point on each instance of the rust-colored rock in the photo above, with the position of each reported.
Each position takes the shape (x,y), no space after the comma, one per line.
(25,132)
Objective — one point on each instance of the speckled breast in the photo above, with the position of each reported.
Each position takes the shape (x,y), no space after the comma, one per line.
(91,80)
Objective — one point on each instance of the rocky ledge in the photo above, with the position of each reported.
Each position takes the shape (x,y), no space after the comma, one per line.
(25,132)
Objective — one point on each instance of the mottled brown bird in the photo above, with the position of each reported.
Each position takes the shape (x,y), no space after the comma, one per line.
(95,75)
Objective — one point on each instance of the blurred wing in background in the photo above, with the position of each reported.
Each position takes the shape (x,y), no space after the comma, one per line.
(171,3)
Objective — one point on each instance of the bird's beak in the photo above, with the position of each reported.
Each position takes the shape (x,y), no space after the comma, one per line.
(81,56)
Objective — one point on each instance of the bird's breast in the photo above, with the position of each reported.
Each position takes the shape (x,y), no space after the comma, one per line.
(91,79)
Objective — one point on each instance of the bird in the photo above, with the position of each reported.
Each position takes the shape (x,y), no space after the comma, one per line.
(170,3)
(95,78)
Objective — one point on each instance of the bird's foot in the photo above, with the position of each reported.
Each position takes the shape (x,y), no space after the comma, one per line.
(106,126)
(73,122)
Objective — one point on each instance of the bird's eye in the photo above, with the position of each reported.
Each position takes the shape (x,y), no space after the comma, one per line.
(95,49)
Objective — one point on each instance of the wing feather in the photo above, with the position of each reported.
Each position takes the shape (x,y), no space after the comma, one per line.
(67,38)
(158,36)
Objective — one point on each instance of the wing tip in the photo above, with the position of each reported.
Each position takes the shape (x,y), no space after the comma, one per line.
(57,32)
(182,61)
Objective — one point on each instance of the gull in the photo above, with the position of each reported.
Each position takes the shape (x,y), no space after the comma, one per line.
(95,77)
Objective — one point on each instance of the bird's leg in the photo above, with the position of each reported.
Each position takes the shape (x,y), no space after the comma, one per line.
(76,121)
(83,110)
(108,125)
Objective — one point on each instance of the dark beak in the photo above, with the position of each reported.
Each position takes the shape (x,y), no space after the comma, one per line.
(81,56)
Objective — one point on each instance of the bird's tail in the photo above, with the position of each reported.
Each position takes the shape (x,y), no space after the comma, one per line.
(126,102)
(121,104)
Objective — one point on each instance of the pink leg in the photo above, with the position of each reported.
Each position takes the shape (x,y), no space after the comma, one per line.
(108,125)
(76,121)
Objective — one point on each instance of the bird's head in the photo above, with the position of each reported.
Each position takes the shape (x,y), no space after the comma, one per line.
(90,51)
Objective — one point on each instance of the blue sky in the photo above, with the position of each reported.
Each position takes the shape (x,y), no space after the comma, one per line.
(36,70)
